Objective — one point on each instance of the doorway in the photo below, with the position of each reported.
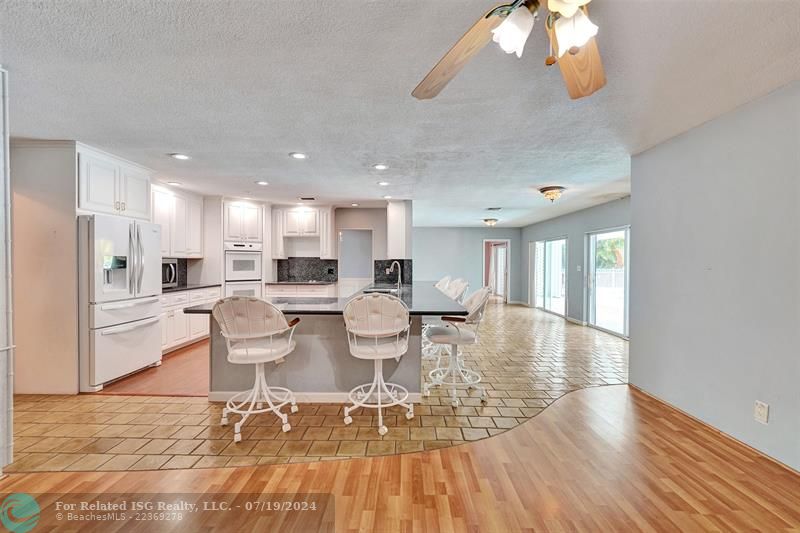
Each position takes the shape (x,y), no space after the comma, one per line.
(356,266)
(496,265)
(607,280)
(549,275)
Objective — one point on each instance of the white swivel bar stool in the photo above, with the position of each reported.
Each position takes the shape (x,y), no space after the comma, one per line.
(378,327)
(256,333)
(458,331)
(442,283)
(455,290)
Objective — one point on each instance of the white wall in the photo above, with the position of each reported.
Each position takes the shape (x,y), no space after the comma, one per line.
(574,227)
(715,272)
(367,218)
(458,252)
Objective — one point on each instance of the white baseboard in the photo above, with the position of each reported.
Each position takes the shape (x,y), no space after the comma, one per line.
(308,397)
(576,321)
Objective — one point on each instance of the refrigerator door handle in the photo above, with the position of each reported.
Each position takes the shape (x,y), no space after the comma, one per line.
(131,263)
(140,274)
(114,331)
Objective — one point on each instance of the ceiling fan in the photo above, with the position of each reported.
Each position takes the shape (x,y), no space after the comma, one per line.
(572,45)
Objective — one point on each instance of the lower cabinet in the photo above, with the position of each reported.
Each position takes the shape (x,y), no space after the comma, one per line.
(178,328)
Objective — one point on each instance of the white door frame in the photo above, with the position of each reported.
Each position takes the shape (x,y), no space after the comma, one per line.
(532,278)
(508,264)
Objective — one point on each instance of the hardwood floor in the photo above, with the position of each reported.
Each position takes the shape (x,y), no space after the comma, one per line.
(183,372)
(599,459)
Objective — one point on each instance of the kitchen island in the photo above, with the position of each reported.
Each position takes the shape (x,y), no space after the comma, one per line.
(321,368)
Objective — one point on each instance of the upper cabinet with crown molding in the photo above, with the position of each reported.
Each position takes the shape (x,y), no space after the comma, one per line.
(180,215)
(243,221)
(107,184)
(301,222)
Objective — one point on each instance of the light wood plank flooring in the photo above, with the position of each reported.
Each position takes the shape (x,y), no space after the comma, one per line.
(598,459)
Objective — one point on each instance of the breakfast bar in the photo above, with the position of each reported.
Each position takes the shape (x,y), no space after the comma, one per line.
(321,369)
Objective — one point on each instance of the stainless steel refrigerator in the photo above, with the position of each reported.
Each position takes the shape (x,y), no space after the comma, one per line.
(119,289)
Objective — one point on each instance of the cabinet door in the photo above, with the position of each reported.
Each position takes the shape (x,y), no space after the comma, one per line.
(251,222)
(162,215)
(164,322)
(134,198)
(278,250)
(292,223)
(324,234)
(233,222)
(309,223)
(97,183)
(194,228)
(198,326)
(178,327)
(178,222)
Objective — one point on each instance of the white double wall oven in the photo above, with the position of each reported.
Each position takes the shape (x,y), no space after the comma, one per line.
(243,269)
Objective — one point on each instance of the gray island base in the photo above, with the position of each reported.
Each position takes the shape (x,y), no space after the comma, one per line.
(321,369)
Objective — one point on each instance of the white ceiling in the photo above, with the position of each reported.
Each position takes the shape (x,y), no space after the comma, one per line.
(238,85)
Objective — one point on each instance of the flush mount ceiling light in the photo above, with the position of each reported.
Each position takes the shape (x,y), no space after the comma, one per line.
(297,155)
(262,183)
(383,183)
(174,183)
(512,33)
(552,193)
(380,166)
(182,157)
(490,221)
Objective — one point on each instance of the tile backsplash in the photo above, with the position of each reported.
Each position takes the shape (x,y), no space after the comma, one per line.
(308,269)
(382,277)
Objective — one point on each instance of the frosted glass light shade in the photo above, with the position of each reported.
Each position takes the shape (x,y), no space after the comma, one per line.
(512,33)
(567,8)
(573,31)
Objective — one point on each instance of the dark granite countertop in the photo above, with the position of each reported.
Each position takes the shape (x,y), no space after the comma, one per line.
(191,287)
(421,299)
(300,283)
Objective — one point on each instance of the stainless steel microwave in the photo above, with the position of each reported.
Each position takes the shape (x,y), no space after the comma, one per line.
(169,273)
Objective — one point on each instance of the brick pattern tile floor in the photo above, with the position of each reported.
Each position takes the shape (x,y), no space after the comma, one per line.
(527,359)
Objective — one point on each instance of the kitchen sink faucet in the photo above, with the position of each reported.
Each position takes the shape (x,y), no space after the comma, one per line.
(399,274)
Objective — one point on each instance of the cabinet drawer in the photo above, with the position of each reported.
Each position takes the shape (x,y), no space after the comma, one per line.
(282,289)
(198,295)
(313,290)
(214,293)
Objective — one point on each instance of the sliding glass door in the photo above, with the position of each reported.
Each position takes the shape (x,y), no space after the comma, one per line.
(608,280)
(550,276)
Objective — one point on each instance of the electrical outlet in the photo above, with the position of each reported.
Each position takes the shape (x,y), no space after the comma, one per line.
(761,412)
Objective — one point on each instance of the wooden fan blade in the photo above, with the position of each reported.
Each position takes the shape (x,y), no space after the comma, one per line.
(583,72)
(454,60)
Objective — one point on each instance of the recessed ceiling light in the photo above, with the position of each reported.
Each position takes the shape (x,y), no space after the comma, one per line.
(380,166)
(354,205)
(383,183)
(297,155)
(174,183)
(262,183)
(387,197)
(182,157)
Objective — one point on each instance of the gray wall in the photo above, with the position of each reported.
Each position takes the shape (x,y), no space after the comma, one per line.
(364,218)
(715,296)
(574,227)
(458,252)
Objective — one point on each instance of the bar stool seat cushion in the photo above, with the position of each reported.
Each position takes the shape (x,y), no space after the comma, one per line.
(261,351)
(384,348)
(450,335)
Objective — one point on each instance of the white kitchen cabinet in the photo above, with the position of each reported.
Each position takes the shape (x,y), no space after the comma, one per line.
(198,326)
(164,331)
(242,222)
(110,185)
(179,227)
(300,223)
(278,244)
(181,218)
(327,247)
(178,328)
(194,228)
(162,215)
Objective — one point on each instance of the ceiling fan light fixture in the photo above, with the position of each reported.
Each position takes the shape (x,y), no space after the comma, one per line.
(513,32)
(573,32)
(490,221)
(552,193)
(566,7)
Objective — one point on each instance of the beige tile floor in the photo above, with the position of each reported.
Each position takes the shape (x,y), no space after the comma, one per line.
(527,359)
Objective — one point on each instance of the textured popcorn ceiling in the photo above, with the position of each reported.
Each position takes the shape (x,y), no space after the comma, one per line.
(238,84)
